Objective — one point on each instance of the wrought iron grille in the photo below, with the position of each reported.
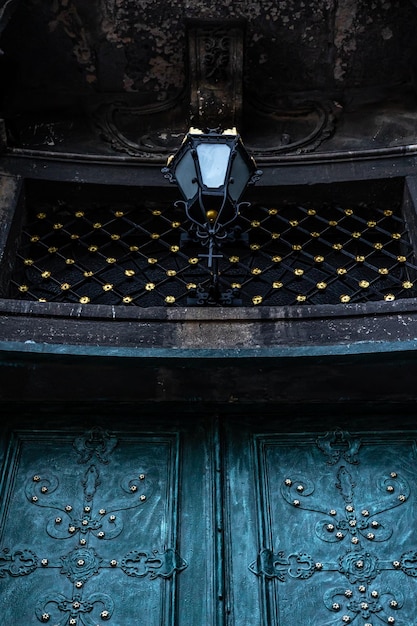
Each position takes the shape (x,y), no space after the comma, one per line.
(142,254)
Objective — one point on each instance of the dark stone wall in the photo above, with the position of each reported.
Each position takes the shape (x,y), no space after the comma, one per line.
(64,49)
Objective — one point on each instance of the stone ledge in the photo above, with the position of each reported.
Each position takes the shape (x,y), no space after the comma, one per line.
(214,333)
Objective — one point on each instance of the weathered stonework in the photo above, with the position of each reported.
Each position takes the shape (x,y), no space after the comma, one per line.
(140,47)
(328,93)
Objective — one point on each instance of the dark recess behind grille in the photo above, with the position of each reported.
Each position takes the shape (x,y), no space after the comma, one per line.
(126,245)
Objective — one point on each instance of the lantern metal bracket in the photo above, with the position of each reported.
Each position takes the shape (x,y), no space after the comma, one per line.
(210,296)
(212,170)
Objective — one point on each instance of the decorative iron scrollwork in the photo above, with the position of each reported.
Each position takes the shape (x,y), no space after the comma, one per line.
(141,563)
(69,522)
(359,566)
(95,442)
(81,564)
(94,512)
(298,565)
(91,482)
(60,611)
(346,521)
(408,563)
(339,444)
(352,603)
(17,563)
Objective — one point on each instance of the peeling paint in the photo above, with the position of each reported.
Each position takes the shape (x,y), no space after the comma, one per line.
(291,45)
(386,33)
(344,37)
(66,17)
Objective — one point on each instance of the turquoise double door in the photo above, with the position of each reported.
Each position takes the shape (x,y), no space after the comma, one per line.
(207,521)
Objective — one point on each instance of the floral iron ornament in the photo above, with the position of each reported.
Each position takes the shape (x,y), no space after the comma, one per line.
(86,517)
(346,522)
(68,521)
(358,527)
(59,610)
(212,170)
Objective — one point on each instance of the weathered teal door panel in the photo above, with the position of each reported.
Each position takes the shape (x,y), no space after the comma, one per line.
(89,529)
(335,521)
(208,525)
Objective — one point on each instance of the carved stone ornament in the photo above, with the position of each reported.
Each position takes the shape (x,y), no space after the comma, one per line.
(273,126)
(122,126)
(216,67)
(6,10)
(281,126)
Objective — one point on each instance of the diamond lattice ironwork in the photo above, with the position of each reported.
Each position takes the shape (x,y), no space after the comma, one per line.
(143,254)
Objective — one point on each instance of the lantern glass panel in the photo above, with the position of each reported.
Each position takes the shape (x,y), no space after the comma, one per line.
(213,159)
(186,176)
(240,175)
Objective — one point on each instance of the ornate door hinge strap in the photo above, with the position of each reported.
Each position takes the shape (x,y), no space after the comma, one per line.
(17,563)
(82,564)
(142,563)
(298,565)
